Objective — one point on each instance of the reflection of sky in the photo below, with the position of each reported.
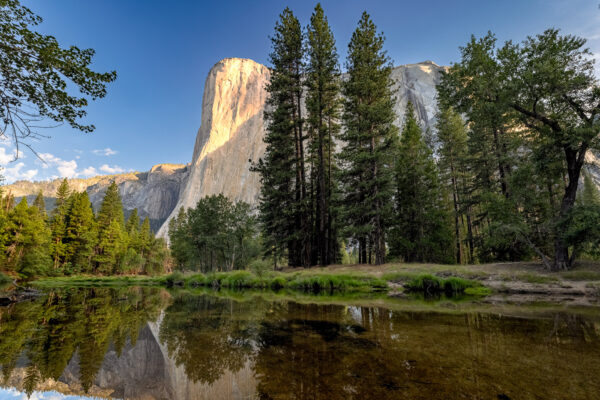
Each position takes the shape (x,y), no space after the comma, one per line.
(13,394)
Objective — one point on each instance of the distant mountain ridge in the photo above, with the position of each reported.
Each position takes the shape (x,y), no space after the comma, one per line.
(154,193)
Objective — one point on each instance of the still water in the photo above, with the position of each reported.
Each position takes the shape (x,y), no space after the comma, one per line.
(147,343)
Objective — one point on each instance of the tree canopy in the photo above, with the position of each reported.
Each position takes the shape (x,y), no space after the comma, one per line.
(36,77)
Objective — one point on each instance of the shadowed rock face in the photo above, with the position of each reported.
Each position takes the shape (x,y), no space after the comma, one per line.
(153,193)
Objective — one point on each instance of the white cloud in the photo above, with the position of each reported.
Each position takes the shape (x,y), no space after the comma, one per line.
(89,171)
(105,152)
(66,169)
(7,156)
(17,172)
(115,169)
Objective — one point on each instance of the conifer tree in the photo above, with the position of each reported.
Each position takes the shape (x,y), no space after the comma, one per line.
(110,248)
(111,207)
(421,232)
(369,142)
(133,223)
(284,210)
(29,252)
(81,233)
(181,248)
(452,139)
(590,195)
(58,223)
(145,238)
(111,230)
(323,111)
(3,225)
(40,203)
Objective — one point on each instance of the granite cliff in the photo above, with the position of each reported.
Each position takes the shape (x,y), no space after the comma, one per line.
(230,138)
(232,129)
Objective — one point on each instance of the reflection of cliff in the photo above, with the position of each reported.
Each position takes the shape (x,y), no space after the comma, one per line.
(226,385)
(145,371)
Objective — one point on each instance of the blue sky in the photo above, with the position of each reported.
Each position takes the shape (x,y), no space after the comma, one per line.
(163,50)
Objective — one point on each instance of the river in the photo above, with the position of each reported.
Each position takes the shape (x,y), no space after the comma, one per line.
(150,343)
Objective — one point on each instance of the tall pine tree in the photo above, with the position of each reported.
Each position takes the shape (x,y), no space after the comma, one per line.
(58,223)
(111,231)
(453,152)
(81,233)
(284,208)
(323,111)
(421,232)
(369,142)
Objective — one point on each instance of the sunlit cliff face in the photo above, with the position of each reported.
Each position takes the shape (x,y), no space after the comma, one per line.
(232,131)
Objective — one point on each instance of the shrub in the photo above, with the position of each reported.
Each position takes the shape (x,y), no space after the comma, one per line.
(238,279)
(434,284)
(277,283)
(260,267)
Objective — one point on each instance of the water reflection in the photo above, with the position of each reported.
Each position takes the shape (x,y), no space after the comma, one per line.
(145,343)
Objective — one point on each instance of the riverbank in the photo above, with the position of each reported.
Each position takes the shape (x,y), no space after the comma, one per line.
(515,282)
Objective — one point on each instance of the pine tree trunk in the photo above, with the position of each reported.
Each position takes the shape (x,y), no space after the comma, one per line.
(501,171)
(459,259)
(362,251)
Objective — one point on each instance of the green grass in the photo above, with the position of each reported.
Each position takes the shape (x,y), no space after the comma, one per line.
(304,282)
(532,278)
(434,284)
(581,275)
(478,291)
(314,280)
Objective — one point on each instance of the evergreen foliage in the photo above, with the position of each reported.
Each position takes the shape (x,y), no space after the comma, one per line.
(323,105)
(421,230)
(532,109)
(284,207)
(73,240)
(369,143)
(216,235)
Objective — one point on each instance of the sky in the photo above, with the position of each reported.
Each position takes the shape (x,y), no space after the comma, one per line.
(163,50)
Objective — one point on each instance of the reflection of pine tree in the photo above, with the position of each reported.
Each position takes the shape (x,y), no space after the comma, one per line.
(208,335)
(32,378)
(50,330)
